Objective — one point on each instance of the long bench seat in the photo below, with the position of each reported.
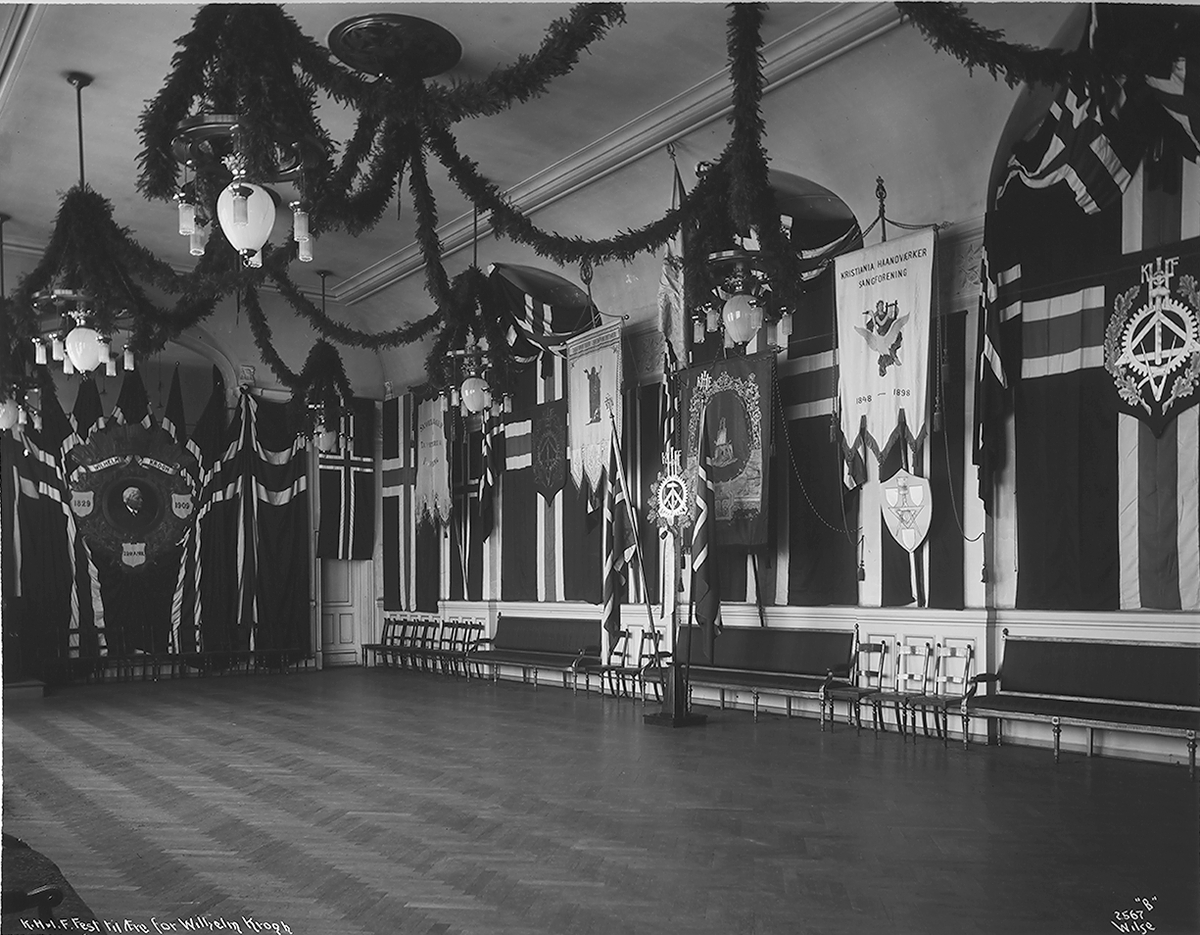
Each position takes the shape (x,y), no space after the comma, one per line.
(536,643)
(1143,687)
(784,662)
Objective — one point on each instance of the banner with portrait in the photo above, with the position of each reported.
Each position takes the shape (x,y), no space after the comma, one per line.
(883,300)
(594,372)
(730,400)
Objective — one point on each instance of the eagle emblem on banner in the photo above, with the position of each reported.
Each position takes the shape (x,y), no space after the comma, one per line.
(907,508)
(884,333)
(1152,350)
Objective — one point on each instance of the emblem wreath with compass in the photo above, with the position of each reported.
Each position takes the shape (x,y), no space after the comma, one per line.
(1153,352)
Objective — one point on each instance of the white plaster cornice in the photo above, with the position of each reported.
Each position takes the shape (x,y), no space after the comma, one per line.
(833,33)
(17,27)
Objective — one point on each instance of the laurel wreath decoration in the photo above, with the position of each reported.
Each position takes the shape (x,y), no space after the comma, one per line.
(1185,384)
(1113,338)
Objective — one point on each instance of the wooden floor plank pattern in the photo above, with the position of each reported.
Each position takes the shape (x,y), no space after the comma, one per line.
(375,801)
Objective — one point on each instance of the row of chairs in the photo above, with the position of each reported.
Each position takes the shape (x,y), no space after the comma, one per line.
(926,678)
(425,643)
(626,673)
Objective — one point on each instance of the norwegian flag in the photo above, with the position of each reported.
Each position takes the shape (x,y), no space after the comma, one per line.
(173,419)
(348,487)
(705,590)
(619,546)
(1179,94)
(133,403)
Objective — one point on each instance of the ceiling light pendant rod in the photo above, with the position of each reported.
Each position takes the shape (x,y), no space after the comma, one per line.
(3,217)
(80,80)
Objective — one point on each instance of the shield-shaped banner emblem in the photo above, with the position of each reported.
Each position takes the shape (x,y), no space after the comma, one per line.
(907,508)
(82,502)
(133,554)
(181,505)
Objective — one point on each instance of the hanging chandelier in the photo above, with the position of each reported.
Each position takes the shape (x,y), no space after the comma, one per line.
(210,147)
(470,390)
(82,342)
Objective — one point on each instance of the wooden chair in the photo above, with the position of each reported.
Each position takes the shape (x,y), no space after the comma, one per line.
(866,679)
(651,659)
(619,674)
(912,666)
(951,677)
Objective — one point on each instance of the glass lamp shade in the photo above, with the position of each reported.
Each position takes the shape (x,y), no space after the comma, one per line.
(475,394)
(743,316)
(84,349)
(327,441)
(8,415)
(187,218)
(248,236)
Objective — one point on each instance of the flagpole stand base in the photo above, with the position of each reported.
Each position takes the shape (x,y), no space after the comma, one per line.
(675,711)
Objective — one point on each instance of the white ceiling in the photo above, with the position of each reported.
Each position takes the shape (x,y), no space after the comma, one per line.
(853,95)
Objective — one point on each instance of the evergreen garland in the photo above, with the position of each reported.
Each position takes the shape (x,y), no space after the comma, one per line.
(253,61)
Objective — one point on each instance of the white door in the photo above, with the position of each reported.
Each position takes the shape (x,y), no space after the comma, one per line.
(347,608)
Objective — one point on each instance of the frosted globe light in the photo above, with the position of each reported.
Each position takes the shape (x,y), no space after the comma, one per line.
(8,415)
(84,349)
(248,236)
(743,316)
(475,394)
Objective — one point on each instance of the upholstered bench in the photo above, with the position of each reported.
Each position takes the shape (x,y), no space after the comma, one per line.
(535,643)
(789,663)
(1128,686)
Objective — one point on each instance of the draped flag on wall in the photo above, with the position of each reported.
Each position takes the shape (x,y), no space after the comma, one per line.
(433,463)
(173,421)
(883,295)
(619,545)
(1097,315)
(594,382)
(518,523)
(133,403)
(218,448)
(705,535)
(733,397)
(544,310)
(277,504)
(347,527)
(399,475)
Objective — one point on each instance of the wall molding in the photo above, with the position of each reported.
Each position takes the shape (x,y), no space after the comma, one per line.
(17,30)
(828,36)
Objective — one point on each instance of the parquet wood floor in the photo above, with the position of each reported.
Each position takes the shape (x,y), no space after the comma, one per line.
(369,800)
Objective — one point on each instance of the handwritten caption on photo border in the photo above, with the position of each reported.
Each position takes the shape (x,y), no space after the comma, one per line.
(246,925)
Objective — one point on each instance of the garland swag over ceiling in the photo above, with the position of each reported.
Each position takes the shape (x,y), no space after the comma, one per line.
(253,61)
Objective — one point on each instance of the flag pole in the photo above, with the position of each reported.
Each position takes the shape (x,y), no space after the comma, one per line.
(633,526)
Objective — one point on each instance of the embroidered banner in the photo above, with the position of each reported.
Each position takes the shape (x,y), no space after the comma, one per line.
(734,399)
(550,448)
(883,297)
(594,396)
(433,466)
(1152,341)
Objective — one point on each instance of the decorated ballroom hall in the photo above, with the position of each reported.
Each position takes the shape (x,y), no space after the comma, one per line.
(600,469)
